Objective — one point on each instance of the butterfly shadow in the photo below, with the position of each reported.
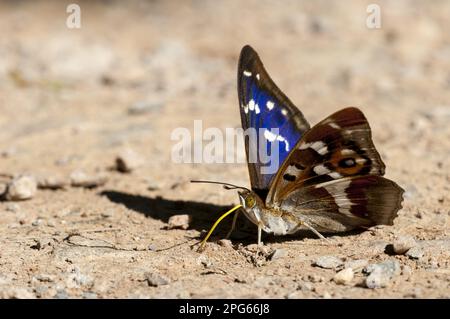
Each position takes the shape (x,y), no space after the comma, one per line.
(203,214)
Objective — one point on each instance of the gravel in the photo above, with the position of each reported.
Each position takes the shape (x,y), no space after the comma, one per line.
(52,182)
(155,280)
(381,274)
(79,178)
(415,253)
(278,254)
(328,262)
(128,160)
(344,277)
(402,244)
(144,107)
(21,188)
(179,222)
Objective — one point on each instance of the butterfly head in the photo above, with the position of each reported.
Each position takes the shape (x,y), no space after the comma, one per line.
(252,205)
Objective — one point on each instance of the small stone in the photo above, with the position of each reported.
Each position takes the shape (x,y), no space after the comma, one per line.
(402,244)
(89,295)
(357,264)
(128,160)
(225,243)
(79,178)
(179,221)
(44,278)
(107,214)
(205,261)
(144,107)
(406,270)
(12,207)
(415,253)
(37,222)
(381,274)
(16,293)
(61,294)
(52,182)
(344,277)
(305,286)
(328,262)
(326,295)
(21,188)
(155,280)
(278,253)
(51,223)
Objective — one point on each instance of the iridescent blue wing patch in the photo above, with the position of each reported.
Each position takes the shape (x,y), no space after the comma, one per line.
(264,107)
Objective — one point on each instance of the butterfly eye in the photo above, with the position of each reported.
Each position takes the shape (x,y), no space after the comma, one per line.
(250,201)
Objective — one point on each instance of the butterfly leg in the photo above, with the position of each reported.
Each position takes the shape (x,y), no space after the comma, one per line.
(259,236)
(313,230)
(233,225)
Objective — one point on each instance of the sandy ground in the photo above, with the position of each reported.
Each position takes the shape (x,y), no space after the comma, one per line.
(68,102)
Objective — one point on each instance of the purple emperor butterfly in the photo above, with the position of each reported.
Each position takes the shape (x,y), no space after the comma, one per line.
(330,179)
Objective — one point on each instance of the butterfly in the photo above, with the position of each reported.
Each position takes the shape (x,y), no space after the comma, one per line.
(330,175)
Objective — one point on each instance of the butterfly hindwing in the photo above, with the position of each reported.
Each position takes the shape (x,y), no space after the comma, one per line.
(347,203)
(263,107)
(334,174)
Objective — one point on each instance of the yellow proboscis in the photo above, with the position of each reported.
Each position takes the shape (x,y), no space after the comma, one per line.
(203,242)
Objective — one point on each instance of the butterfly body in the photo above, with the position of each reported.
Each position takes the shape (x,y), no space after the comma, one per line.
(330,175)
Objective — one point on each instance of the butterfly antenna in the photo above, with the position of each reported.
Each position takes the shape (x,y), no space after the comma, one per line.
(227,186)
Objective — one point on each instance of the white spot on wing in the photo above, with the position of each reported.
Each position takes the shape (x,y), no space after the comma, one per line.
(257,76)
(319,146)
(269,136)
(346,151)
(334,125)
(270,105)
(284,112)
(251,105)
(247,73)
(335,175)
(246,109)
(257,110)
(272,137)
(321,170)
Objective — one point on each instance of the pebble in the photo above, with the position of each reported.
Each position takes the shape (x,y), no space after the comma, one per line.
(406,270)
(12,207)
(52,182)
(16,293)
(89,295)
(381,274)
(328,262)
(402,244)
(144,107)
(278,254)
(344,277)
(415,253)
(79,178)
(179,221)
(21,188)
(356,264)
(128,160)
(225,243)
(155,280)
(61,294)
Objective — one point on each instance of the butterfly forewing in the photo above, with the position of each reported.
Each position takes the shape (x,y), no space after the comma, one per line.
(263,106)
